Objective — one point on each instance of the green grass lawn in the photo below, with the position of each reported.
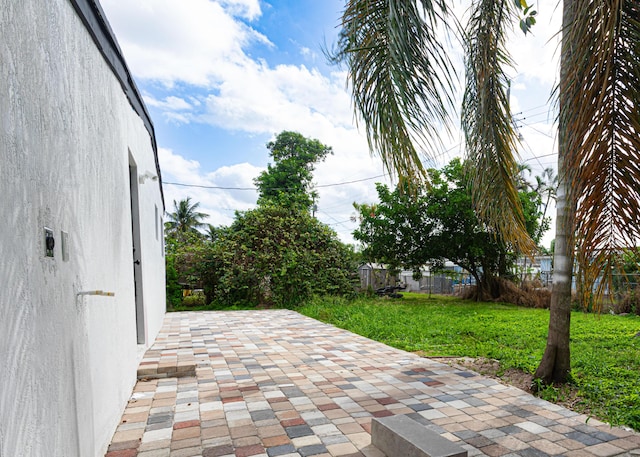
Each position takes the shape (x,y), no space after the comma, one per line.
(605,352)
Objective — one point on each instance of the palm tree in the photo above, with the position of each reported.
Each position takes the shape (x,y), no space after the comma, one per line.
(403,90)
(521,181)
(212,233)
(185,218)
(546,185)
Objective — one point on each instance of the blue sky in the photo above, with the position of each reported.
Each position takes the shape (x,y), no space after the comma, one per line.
(222,77)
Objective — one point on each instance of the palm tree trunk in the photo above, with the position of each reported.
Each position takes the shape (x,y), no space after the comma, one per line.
(556,361)
(555,365)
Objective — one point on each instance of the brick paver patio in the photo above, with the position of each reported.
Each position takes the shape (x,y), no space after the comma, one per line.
(276,383)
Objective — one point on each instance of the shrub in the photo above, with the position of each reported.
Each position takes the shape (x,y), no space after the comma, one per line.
(275,256)
(530,294)
(197,299)
(629,302)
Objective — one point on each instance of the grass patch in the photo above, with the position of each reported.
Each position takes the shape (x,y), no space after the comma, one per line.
(605,353)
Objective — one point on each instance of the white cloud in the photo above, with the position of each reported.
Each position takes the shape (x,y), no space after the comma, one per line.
(170,103)
(215,196)
(248,9)
(334,203)
(168,41)
(260,99)
(305,51)
(536,54)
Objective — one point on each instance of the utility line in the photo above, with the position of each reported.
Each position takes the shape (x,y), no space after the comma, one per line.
(270,188)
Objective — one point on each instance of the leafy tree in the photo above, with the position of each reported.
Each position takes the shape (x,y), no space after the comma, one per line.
(185,218)
(212,233)
(395,232)
(183,253)
(546,186)
(183,243)
(288,181)
(275,256)
(439,223)
(173,288)
(403,84)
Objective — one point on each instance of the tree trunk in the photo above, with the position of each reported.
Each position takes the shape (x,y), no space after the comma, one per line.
(556,361)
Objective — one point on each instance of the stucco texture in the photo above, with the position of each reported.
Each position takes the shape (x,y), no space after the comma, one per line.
(67,132)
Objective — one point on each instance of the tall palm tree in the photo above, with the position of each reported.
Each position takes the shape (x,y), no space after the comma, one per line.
(403,90)
(185,218)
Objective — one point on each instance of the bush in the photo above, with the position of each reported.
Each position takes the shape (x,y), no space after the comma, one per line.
(197,299)
(530,294)
(174,291)
(276,257)
(629,302)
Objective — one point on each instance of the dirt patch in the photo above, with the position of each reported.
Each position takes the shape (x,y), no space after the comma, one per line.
(490,368)
(565,395)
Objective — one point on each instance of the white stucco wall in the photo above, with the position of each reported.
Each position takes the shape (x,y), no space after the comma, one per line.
(68,363)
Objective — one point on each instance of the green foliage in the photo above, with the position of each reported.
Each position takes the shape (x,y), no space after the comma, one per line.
(197,299)
(174,291)
(605,353)
(287,182)
(185,219)
(395,231)
(275,256)
(185,251)
(528,15)
(409,229)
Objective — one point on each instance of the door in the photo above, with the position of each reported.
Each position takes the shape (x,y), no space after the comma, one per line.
(137,261)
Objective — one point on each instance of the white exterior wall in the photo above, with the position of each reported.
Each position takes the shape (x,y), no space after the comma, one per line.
(68,363)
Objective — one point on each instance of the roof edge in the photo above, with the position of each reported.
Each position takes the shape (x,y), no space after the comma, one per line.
(96,23)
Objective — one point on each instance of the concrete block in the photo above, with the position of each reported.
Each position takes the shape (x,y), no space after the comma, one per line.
(401,436)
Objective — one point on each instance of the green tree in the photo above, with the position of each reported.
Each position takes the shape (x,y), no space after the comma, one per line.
(183,254)
(396,230)
(546,187)
(288,181)
(185,218)
(273,256)
(276,254)
(402,86)
(437,223)
(212,233)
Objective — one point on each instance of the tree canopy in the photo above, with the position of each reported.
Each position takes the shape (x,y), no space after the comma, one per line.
(438,223)
(185,218)
(276,254)
(273,256)
(288,181)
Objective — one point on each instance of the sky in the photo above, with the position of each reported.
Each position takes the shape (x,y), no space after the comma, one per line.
(221,78)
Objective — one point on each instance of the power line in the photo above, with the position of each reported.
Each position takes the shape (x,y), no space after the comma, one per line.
(537,130)
(351,182)
(540,157)
(200,186)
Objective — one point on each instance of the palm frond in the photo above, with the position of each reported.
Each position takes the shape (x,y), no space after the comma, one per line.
(602,118)
(401,78)
(486,120)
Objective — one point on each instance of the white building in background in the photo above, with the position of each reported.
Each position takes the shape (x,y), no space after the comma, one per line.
(81,210)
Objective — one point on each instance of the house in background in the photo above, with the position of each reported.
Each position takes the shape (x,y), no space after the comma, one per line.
(81,204)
